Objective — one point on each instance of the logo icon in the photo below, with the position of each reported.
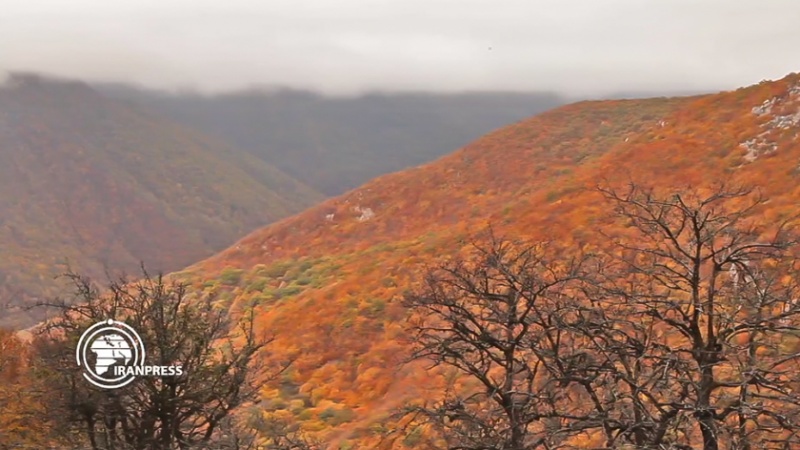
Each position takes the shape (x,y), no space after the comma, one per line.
(118,355)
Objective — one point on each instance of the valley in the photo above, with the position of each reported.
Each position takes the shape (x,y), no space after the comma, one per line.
(329,284)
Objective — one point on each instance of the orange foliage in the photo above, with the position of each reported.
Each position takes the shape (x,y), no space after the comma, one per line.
(21,421)
(339,315)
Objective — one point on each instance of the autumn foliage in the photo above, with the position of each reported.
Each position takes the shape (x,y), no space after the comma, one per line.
(22,423)
(329,282)
(88,183)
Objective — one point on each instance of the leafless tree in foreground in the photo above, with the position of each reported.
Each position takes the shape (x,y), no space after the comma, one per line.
(216,351)
(497,319)
(262,434)
(707,295)
(683,334)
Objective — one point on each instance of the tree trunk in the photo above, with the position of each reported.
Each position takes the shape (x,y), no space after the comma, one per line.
(708,424)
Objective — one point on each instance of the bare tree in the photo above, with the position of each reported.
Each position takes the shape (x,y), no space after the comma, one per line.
(498,319)
(260,433)
(702,297)
(216,352)
(683,333)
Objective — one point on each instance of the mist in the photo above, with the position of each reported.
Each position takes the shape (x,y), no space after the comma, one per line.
(582,47)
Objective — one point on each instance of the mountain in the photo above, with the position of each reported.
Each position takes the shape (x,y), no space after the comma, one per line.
(95,183)
(337,143)
(327,281)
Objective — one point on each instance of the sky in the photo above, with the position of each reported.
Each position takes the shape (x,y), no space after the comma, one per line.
(350,46)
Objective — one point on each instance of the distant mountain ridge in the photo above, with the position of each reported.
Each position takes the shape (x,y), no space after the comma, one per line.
(95,183)
(337,143)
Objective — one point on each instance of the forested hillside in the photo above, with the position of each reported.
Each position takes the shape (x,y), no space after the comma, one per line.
(609,274)
(330,282)
(92,183)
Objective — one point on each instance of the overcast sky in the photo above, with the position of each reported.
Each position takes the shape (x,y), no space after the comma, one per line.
(344,46)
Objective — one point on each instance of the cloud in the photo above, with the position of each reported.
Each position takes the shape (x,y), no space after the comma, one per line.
(353,45)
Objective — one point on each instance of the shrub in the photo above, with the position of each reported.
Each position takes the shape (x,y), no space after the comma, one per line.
(305,280)
(231,276)
(278,269)
(335,416)
(257,285)
(305,265)
(288,291)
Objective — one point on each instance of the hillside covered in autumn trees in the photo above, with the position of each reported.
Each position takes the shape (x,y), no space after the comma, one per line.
(328,282)
(95,184)
(332,284)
